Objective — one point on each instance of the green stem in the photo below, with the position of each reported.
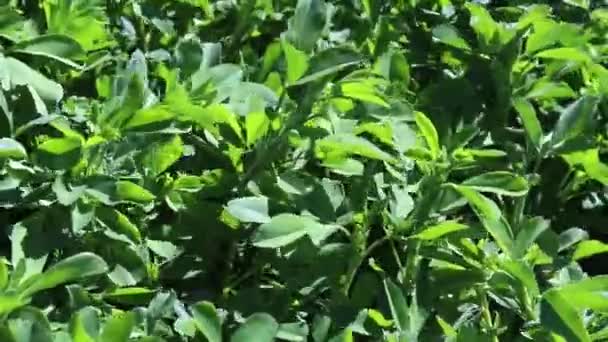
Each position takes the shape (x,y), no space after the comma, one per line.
(521,202)
(487,315)
(358,261)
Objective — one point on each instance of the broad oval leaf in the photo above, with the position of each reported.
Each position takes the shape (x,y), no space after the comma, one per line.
(499,182)
(560,317)
(589,248)
(447,34)
(307,24)
(60,153)
(10,148)
(55,46)
(566,54)
(329,62)
(249,209)
(118,222)
(67,270)
(297,62)
(284,229)
(259,327)
(8,303)
(128,191)
(207,321)
(118,328)
(84,325)
(440,229)
(575,119)
(21,74)
(150,119)
(160,155)
(338,146)
(589,293)
(257,125)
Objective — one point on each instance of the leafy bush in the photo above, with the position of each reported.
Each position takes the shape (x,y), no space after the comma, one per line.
(260,170)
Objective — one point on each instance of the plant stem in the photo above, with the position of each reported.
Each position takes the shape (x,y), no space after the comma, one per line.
(354,268)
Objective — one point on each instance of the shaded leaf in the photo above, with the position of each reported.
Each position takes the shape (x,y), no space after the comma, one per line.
(259,327)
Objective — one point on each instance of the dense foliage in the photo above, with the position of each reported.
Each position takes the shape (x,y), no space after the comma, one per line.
(303,170)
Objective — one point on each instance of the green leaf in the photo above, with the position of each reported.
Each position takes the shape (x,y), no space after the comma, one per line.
(3,274)
(397,304)
(485,27)
(257,125)
(164,249)
(566,54)
(560,317)
(320,328)
(284,229)
(67,270)
(329,62)
(499,182)
(381,131)
(362,91)
(590,161)
(589,293)
(544,90)
(149,119)
(345,166)
(130,295)
(207,321)
(393,65)
(436,231)
(128,191)
(525,275)
(529,231)
(490,216)
(307,24)
(429,133)
(575,119)
(83,20)
(9,303)
(54,46)
(527,114)
(20,73)
(589,248)
(578,3)
(447,34)
(338,146)
(161,155)
(249,209)
(10,148)
(60,153)
(296,332)
(297,62)
(259,327)
(118,222)
(570,237)
(84,325)
(118,328)
(208,117)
